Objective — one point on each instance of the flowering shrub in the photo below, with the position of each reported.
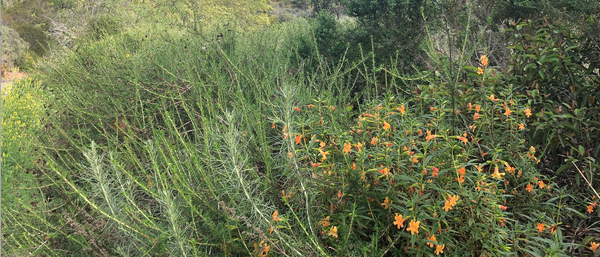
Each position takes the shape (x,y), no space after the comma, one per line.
(401,176)
(21,119)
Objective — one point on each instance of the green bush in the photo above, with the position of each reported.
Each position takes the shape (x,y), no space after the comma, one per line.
(548,68)
(13,48)
(102,26)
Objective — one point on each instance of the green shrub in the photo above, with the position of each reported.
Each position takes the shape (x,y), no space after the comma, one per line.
(547,67)
(13,48)
(102,26)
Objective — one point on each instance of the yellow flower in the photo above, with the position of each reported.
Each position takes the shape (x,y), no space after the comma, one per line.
(479,71)
(333,232)
(399,221)
(413,227)
(127,55)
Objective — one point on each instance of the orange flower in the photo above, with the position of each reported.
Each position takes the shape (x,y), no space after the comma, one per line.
(290,155)
(435,171)
(347,148)
(399,221)
(325,222)
(439,249)
(541,227)
(432,238)
(527,112)
(541,184)
(429,136)
(508,112)
(359,146)
(470,106)
(447,206)
(492,97)
(298,139)
(497,174)
(385,171)
(273,125)
(340,194)
(463,139)
(476,116)
(532,149)
(314,165)
(386,203)
(415,160)
(333,232)
(386,126)
(484,61)
(477,108)
(461,171)
(521,126)
(553,229)
(590,208)
(401,109)
(529,188)
(275,218)
(264,251)
(594,246)
(354,166)
(413,227)
(479,71)
(374,141)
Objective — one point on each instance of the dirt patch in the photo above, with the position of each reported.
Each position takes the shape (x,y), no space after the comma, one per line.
(12,75)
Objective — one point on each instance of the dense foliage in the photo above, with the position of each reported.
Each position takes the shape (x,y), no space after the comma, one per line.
(412,128)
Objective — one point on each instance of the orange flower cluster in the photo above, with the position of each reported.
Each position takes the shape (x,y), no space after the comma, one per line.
(484,61)
(591,207)
(461,175)
(450,203)
(435,171)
